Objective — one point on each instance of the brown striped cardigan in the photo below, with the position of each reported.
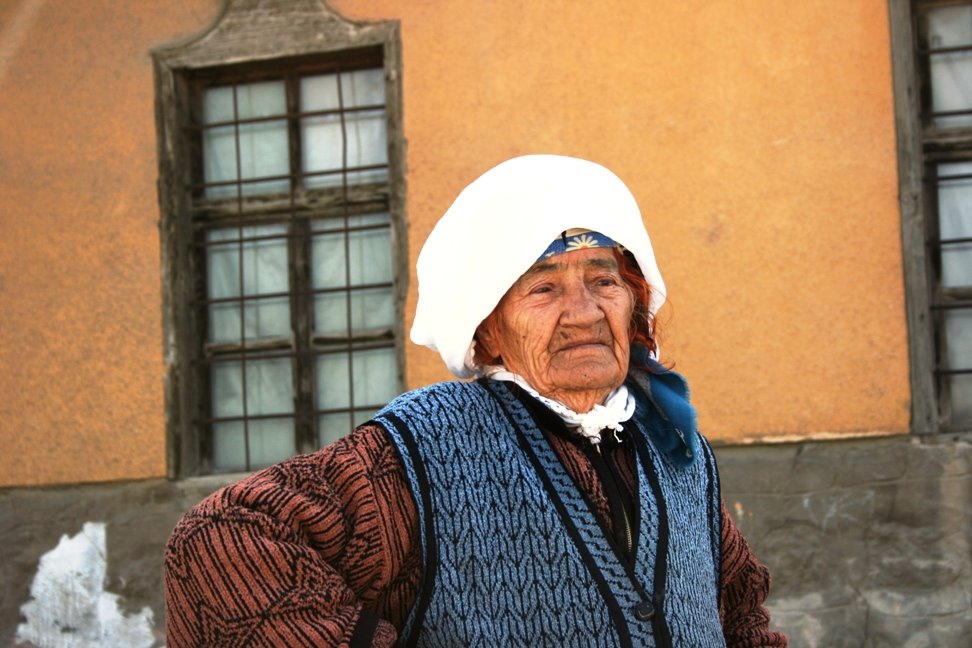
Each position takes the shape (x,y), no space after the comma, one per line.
(323,550)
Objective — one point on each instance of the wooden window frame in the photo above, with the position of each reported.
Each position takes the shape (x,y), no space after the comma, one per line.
(920,147)
(252,39)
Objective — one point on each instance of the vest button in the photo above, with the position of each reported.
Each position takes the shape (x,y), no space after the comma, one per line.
(644,611)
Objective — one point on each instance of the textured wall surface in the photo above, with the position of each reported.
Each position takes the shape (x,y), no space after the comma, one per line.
(80,310)
(758,138)
(869,542)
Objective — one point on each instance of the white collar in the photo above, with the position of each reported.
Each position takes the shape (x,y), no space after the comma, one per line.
(618,407)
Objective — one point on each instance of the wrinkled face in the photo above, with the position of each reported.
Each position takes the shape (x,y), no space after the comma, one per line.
(565,327)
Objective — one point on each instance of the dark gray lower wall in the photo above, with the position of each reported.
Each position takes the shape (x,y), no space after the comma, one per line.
(869,543)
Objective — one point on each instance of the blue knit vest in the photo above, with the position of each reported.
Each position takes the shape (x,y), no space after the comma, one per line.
(513,555)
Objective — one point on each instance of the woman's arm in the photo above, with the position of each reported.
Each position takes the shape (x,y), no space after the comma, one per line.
(744,587)
(321,549)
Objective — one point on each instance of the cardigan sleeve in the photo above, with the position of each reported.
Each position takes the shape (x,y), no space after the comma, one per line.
(321,549)
(743,590)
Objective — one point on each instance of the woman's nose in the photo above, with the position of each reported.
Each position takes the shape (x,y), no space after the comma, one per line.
(580,308)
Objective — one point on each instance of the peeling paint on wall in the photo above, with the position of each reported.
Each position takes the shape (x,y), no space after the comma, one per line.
(69,607)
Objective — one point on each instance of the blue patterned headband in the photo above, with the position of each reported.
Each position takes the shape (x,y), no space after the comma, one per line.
(577,239)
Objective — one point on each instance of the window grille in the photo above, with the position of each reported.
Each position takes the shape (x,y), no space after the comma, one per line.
(295,304)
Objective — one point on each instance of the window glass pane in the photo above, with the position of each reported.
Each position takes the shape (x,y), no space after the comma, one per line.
(229,446)
(958,338)
(331,427)
(322,151)
(319,92)
(322,141)
(368,261)
(329,268)
(262,146)
(218,105)
(219,160)
(367,143)
(226,389)
(331,316)
(364,87)
(960,395)
(370,252)
(264,99)
(951,72)
(375,377)
(372,311)
(253,100)
(358,88)
(954,222)
(958,346)
(269,387)
(264,271)
(270,441)
(333,381)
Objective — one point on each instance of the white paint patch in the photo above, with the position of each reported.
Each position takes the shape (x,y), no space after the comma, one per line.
(69,607)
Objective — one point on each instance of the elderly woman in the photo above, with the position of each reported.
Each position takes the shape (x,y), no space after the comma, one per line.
(563,498)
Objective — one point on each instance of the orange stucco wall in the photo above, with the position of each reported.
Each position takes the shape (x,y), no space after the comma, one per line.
(80,305)
(757,136)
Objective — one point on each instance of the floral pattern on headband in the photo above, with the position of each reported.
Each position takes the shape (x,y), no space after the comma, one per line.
(577,239)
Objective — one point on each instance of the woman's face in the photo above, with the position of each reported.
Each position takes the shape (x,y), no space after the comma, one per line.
(565,327)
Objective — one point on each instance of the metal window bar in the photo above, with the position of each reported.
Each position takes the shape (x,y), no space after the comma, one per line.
(347,239)
(243,352)
(932,51)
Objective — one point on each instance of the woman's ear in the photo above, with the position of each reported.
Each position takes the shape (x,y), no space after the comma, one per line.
(485,337)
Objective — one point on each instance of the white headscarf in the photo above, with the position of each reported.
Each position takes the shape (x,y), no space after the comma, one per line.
(497,228)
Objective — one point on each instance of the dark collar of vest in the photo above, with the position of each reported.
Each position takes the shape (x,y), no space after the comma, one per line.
(675,430)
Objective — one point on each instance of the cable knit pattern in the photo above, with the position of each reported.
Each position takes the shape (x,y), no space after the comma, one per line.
(538,567)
